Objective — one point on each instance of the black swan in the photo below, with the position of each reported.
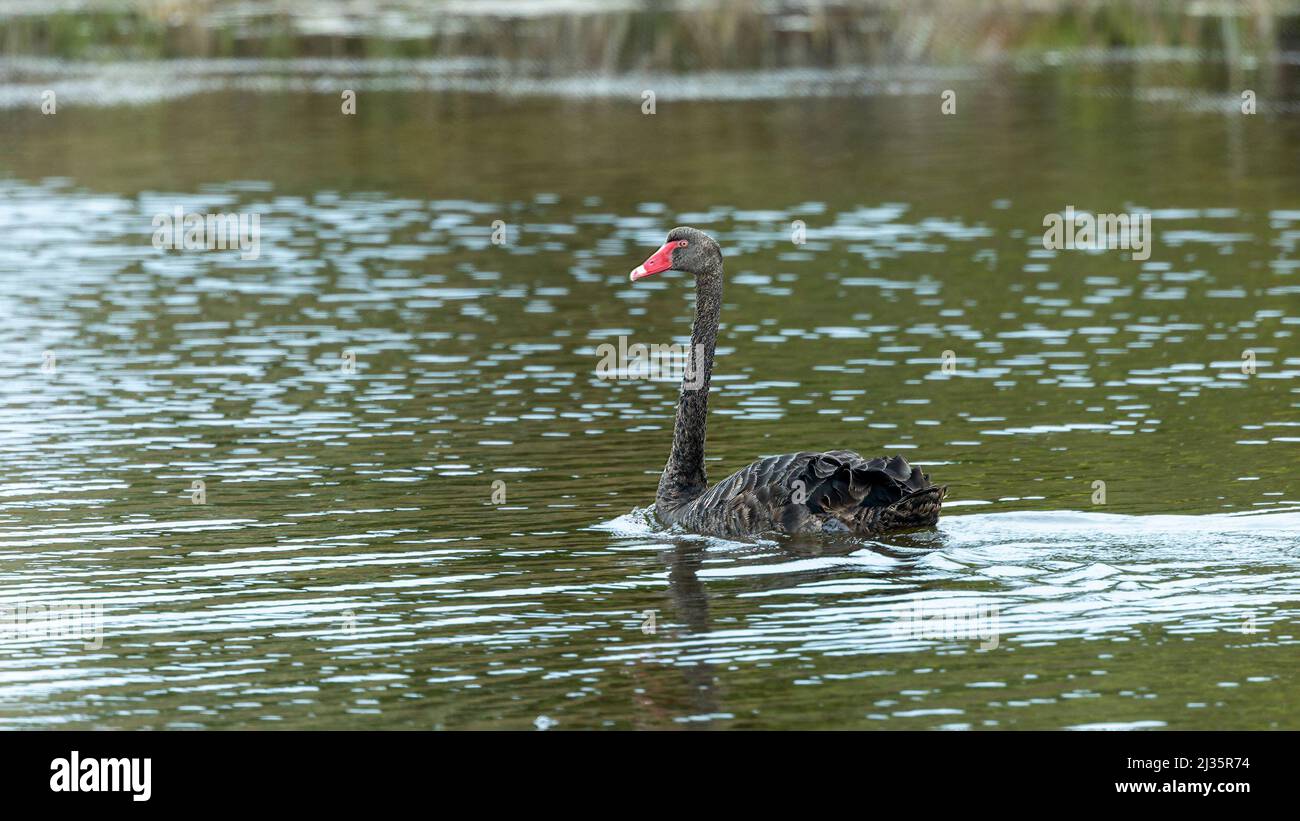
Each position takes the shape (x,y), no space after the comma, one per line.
(833,492)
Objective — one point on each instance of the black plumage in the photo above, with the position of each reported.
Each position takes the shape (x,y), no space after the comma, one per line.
(836,491)
(833,492)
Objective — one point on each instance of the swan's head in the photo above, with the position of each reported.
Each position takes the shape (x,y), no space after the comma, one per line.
(687,249)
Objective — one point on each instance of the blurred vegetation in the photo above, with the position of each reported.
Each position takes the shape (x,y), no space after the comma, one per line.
(554,36)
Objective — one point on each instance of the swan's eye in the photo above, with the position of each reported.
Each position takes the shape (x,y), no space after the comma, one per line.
(681,243)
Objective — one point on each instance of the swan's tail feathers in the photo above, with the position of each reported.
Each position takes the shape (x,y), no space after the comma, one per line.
(917,509)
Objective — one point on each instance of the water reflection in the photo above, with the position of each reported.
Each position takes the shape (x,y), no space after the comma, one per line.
(352,565)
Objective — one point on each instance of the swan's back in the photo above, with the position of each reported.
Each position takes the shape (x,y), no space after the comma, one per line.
(811,492)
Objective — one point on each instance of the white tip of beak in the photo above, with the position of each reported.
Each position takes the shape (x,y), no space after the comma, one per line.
(638,272)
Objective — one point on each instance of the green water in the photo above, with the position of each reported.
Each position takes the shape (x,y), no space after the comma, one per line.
(351,568)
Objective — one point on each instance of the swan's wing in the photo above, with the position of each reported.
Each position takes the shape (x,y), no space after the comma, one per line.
(841,481)
(810,491)
(880,494)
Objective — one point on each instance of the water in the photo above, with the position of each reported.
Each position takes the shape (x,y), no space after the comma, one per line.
(351,567)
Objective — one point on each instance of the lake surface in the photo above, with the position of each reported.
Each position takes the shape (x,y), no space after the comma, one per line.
(423,507)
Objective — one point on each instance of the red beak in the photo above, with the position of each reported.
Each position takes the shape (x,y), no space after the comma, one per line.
(660,260)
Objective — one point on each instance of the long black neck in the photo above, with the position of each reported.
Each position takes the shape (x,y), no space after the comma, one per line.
(683,478)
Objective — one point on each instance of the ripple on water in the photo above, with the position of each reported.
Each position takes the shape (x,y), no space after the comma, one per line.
(356,562)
